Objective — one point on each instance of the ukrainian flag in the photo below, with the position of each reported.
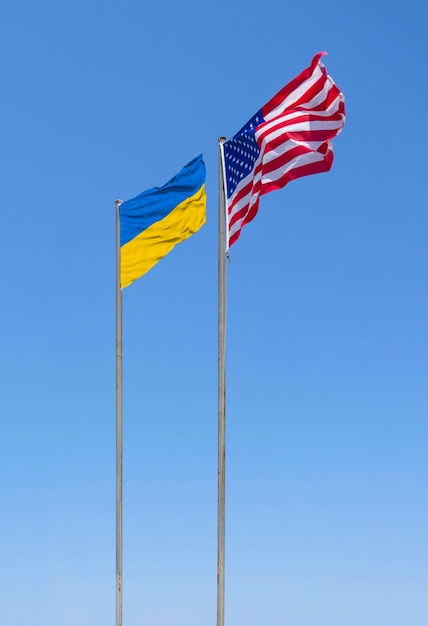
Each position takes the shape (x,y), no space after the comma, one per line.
(152,223)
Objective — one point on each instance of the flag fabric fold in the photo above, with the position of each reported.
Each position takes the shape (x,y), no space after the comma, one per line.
(152,223)
(287,138)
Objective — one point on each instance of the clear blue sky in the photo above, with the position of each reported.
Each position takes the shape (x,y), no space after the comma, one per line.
(327,346)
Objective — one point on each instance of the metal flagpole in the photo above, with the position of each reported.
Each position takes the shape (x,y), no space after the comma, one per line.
(221,388)
(118,425)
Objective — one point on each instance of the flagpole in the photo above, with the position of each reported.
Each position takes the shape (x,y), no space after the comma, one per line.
(221,389)
(119,481)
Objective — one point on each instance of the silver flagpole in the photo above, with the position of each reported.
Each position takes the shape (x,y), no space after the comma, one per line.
(118,425)
(221,388)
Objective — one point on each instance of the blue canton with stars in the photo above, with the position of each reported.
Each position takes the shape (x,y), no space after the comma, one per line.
(240,153)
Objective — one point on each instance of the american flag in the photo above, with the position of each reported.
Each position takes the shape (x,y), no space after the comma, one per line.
(288,138)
